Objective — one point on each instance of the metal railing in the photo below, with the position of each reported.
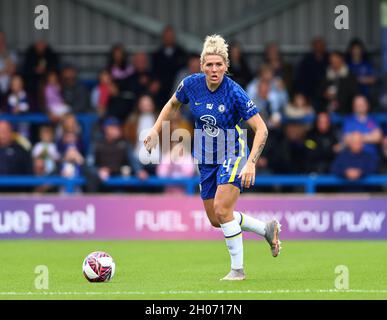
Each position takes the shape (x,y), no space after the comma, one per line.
(309,182)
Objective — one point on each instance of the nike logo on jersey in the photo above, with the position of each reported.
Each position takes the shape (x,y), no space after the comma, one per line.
(198,103)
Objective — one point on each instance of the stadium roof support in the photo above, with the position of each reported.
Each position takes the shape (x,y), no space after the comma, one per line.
(260,12)
(145,23)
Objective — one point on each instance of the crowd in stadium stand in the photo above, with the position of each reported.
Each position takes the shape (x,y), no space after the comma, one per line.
(131,90)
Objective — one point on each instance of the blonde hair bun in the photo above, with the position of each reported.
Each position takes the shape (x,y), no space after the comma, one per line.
(216,45)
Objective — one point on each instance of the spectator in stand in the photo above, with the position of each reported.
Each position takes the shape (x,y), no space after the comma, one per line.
(136,128)
(72,154)
(112,156)
(322,145)
(287,152)
(263,103)
(8,62)
(339,86)
(142,81)
(167,61)
(273,58)
(75,94)
(69,140)
(101,93)
(53,100)
(360,65)
(72,158)
(117,106)
(354,162)
(69,134)
(17,99)
(239,69)
(176,163)
(299,108)
(312,70)
(361,122)
(179,122)
(277,95)
(69,123)
(45,153)
(14,158)
(193,66)
(18,103)
(272,122)
(118,65)
(39,60)
(181,130)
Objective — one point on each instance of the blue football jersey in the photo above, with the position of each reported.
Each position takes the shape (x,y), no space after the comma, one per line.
(217,114)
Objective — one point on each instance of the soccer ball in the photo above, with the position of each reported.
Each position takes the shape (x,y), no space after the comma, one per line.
(98,266)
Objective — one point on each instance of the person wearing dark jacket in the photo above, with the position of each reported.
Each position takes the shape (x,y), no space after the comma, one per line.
(239,69)
(142,81)
(112,156)
(286,151)
(321,143)
(167,61)
(354,163)
(312,69)
(339,86)
(117,106)
(14,159)
(282,69)
(39,60)
(74,93)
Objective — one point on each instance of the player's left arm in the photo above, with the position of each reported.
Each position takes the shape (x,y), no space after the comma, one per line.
(247,173)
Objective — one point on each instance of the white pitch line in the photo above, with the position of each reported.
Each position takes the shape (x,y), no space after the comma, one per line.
(30,293)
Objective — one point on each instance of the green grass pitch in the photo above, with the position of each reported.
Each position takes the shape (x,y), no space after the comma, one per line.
(192,269)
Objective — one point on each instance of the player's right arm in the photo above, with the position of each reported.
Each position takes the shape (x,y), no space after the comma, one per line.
(170,107)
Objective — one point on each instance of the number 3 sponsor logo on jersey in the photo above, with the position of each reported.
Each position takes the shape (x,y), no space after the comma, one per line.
(210,125)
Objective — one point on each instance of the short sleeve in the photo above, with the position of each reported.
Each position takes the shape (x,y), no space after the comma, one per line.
(245,106)
(181,92)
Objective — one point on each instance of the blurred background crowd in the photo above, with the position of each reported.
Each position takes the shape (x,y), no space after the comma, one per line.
(300,102)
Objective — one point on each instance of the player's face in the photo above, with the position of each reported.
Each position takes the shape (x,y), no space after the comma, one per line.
(214,68)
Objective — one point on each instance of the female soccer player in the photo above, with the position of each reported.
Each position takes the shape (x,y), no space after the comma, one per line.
(218,104)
